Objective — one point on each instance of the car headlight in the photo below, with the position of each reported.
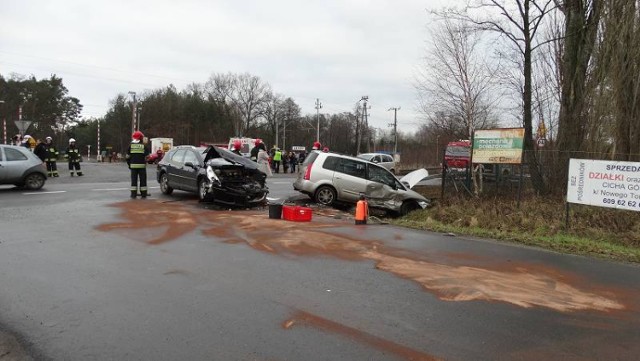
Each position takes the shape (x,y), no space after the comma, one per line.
(423,204)
(212,175)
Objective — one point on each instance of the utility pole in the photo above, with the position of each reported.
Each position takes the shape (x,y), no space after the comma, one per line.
(4,124)
(318,107)
(99,157)
(395,129)
(365,122)
(133,112)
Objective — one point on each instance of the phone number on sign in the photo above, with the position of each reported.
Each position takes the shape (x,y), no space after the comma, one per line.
(621,202)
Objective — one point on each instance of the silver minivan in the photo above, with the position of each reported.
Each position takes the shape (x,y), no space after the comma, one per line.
(329,178)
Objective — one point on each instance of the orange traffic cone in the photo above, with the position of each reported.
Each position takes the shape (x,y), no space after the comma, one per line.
(362,211)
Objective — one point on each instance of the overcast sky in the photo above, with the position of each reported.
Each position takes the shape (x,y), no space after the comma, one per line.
(335,50)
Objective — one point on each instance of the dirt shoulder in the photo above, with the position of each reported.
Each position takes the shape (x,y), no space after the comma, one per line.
(11,349)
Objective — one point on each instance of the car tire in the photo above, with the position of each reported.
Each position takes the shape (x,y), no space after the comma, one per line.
(34,181)
(325,195)
(408,207)
(203,195)
(164,184)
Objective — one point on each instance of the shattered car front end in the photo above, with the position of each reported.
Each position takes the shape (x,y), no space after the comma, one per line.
(232,180)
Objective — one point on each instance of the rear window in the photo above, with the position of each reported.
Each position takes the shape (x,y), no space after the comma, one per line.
(310,158)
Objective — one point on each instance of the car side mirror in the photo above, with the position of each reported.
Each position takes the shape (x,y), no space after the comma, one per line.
(189,164)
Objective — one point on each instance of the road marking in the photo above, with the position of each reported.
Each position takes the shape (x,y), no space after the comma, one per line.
(116,189)
(52,192)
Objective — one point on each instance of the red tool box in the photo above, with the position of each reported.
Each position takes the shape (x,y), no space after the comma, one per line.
(297,213)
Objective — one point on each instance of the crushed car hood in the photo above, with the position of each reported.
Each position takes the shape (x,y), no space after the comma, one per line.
(221,157)
(414,177)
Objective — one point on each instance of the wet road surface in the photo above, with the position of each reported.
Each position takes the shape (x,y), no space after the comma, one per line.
(86,274)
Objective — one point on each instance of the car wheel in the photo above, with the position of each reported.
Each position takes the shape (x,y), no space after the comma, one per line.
(325,195)
(34,181)
(408,207)
(164,184)
(203,194)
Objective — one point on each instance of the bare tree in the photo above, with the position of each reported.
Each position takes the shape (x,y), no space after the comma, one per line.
(456,85)
(519,22)
(245,93)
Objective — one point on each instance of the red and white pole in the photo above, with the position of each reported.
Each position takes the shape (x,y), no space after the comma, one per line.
(4,130)
(98,149)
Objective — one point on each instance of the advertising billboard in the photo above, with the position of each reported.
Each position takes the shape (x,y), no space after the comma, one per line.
(604,183)
(498,146)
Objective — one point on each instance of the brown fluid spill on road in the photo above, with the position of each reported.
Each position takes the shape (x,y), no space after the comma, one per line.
(174,220)
(308,319)
(523,285)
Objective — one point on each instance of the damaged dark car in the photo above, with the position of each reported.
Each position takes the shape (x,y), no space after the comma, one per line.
(214,174)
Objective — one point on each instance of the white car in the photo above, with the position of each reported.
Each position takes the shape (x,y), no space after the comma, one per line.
(381,159)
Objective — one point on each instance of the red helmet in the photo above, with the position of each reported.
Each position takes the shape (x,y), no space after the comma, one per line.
(258,141)
(237,144)
(137,135)
(316,145)
(325,149)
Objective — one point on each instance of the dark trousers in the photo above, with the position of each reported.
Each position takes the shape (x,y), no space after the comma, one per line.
(75,166)
(52,169)
(276,166)
(139,173)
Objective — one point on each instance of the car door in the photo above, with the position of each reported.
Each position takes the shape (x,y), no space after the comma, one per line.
(174,164)
(383,188)
(387,162)
(14,165)
(3,169)
(349,179)
(189,173)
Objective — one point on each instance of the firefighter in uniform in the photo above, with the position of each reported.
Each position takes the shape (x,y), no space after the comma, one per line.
(136,155)
(51,158)
(73,156)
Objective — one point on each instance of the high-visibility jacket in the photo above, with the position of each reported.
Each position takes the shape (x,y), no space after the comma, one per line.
(277,156)
(73,154)
(136,155)
(52,154)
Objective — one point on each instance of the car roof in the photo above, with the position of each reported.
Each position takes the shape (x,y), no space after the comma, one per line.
(344,156)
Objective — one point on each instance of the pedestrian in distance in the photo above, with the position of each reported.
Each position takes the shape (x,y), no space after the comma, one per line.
(41,151)
(51,158)
(263,160)
(285,162)
(293,160)
(26,142)
(277,157)
(73,157)
(136,156)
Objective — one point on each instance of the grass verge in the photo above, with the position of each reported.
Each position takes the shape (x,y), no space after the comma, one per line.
(605,233)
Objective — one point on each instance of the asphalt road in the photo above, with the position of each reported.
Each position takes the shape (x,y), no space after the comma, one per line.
(87,274)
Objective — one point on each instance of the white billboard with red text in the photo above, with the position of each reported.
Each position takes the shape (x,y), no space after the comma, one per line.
(604,183)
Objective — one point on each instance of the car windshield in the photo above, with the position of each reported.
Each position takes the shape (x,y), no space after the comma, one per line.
(458,151)
(366,156)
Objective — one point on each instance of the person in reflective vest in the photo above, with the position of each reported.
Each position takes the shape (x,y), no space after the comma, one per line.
(277,157)
(73,156)
(136,156)
(51,158)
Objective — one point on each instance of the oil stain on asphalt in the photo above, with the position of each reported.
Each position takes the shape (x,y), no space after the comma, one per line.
(518,284)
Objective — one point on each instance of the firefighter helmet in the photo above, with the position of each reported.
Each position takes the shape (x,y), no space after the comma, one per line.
(71,140)
(137,135)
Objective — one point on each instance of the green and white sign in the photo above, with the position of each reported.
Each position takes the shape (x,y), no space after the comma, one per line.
(498,146)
